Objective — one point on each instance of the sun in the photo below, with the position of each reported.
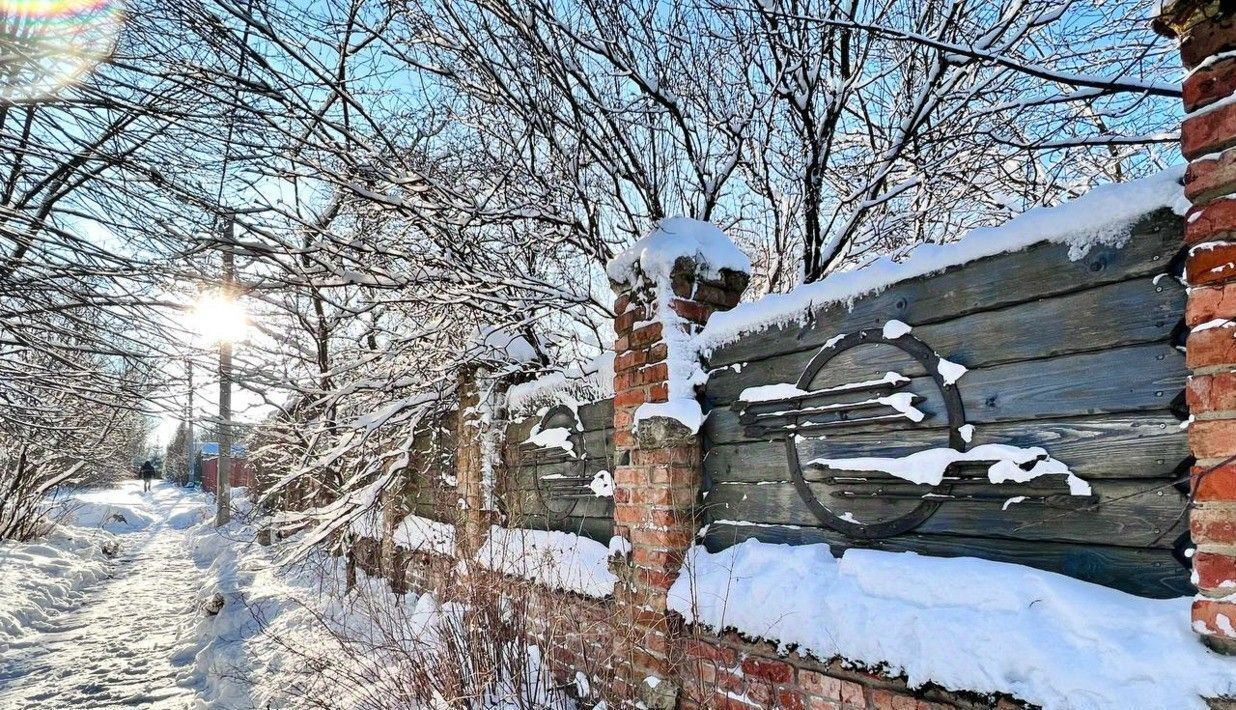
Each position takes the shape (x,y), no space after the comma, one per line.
(218,319)
(48,44)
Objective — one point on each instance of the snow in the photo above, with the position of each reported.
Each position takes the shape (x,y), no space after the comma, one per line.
(590,382)
(619,546)
(425,535)
(926,467)
(676,237)
(1102,216)
(950,371)
(967,432)
(962,623)
(558,560)
(783,390)
(91,614)
(602,484)
(513,347)
(552,438)
(895,329)
(293,636)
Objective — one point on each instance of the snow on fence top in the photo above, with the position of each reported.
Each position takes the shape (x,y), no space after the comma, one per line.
(654,255)
(1103,216)
(557,560)
(590,382)
(963,623)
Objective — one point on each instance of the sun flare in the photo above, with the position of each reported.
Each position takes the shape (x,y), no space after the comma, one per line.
(48,44)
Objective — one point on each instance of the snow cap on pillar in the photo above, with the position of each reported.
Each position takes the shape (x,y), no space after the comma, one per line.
(669,283)
(1203,28)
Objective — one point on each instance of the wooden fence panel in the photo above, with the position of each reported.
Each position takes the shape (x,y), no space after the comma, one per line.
(1078,357)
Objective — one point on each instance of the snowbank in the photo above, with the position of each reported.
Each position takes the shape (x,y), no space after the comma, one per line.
(417,533)
(113,509)
(43,578)
(963,623)
(557,560)
(1102,216)
(287,631)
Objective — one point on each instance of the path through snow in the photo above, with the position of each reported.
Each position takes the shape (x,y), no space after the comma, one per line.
(116,647)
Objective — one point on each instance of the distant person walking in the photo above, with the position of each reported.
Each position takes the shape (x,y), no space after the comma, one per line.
(148,474)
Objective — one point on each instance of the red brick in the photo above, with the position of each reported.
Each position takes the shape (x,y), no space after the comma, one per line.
(653,374)
(625,322)
(656,353)
(819,684)
(1207,612)
(658,392)
(1217,484)
(1213,346)
(1211,393)
(888,700)
(790,700)
(627,398)
(1208,132)
(646,335)
(852,693)
(631,475)
(729,681)
(693,311)
(1207,303)
(1214,264)
(1203,40)
(1216,526)
(656,559)
(662,538)
(624,439)
(624,418)
(630,359)
(770,670)
(759,693)
(1213,220)
(622,303)
(822,704)
(1214,571)
(1208,178)
(700,648)
(1213,439)
(628,514)
(1209,84)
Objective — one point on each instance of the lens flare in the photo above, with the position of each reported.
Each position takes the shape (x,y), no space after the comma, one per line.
(48,44)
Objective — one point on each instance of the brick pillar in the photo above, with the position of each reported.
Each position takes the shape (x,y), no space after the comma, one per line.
(657,478)
(469,462)
(1206,29)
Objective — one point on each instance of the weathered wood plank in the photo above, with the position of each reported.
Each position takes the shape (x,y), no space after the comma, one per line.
(600,529)
(1129,379)
(1114,315)
(1141,513)
(1037,272)
(597,415)
(1150,445)
(1151,573)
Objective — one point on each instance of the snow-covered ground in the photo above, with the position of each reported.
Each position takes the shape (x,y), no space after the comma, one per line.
(137,600)
(91,615)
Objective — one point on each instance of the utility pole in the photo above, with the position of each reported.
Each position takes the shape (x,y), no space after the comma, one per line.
(190,445)
(223,512)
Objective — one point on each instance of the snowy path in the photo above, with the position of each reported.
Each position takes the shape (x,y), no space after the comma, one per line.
(116,648)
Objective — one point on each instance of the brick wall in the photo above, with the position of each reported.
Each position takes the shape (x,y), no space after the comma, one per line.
(1206,31)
